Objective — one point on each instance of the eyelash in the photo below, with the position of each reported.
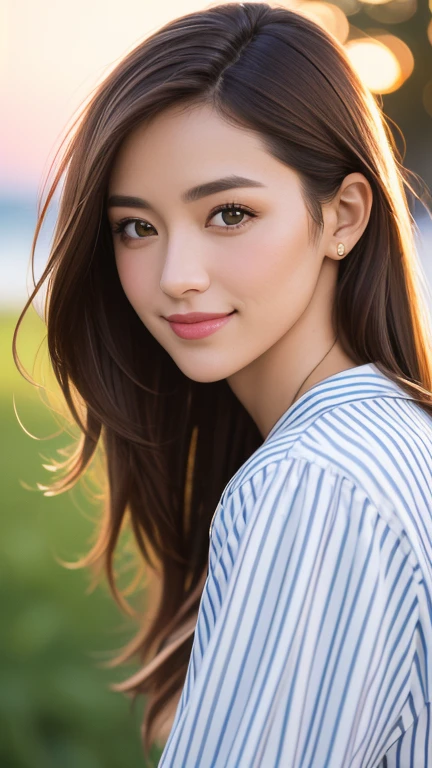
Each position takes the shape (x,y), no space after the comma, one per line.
(120,226)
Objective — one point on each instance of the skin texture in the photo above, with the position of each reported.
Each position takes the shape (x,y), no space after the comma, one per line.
(183,258)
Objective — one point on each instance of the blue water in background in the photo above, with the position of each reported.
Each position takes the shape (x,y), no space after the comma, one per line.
(17,224)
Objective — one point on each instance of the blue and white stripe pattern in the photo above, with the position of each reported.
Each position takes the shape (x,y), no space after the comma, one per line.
(313,643)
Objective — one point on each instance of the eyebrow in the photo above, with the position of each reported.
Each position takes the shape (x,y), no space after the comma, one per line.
(191,195)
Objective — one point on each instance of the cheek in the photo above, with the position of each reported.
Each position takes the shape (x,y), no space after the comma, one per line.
(272,268)
(135,278)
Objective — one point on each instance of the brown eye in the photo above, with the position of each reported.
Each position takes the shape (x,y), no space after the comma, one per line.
(136,229)
(232,215)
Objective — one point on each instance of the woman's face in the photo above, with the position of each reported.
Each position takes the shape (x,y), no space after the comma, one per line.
(179,255)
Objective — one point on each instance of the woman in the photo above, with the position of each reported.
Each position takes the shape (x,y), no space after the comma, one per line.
(239,142)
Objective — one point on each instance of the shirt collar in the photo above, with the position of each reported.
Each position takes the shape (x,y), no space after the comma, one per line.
(359,383)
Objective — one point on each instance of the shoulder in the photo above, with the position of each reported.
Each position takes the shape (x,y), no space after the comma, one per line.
(378,448)
(380,434)
(381,443)
(314,483)
(300,515)
(384,446)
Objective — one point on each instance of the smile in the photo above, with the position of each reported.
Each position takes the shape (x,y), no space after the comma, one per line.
(201,329)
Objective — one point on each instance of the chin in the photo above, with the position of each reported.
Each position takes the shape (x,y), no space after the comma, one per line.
(203,378)
(205,374)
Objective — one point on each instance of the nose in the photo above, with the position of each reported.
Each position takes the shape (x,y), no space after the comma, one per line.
(183,271)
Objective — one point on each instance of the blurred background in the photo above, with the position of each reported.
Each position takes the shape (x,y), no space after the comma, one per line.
(56,708)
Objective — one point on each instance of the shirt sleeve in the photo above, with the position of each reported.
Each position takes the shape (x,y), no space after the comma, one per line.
(306,632)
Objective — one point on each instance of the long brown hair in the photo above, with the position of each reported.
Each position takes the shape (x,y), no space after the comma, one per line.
(169,444)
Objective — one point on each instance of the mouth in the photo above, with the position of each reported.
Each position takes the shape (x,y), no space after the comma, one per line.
(200,329)
(197,317)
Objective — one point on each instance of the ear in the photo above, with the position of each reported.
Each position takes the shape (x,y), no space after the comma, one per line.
(352,206)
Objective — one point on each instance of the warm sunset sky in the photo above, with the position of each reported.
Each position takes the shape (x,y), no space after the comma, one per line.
(52,53)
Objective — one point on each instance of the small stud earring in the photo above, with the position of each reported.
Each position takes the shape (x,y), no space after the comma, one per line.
(341,249)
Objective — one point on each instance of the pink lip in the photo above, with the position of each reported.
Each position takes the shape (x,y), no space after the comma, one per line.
(198,330)
(196,317)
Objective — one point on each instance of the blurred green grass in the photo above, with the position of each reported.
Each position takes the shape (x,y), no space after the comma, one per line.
(56,708)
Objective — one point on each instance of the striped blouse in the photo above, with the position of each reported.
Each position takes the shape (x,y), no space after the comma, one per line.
(313,642)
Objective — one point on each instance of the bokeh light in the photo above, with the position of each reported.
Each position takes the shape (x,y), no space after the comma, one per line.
(390,11)
(429,31)
(376,64)
(328,16)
